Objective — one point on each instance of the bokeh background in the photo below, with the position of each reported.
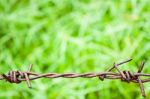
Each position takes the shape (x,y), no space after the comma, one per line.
(73,36)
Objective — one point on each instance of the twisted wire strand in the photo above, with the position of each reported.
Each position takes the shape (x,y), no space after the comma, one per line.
(126,76)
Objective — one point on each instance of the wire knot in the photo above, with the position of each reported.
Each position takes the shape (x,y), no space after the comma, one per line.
(128,76)
(18,76)
(13,76)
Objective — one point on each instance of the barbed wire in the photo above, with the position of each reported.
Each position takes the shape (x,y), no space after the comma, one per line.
(126,76)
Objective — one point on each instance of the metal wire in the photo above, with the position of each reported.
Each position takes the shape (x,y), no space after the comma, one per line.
(126,76)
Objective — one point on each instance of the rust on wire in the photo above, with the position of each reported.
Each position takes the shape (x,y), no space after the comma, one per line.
(126,76)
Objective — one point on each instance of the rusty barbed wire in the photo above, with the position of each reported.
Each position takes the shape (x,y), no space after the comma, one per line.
(126,76)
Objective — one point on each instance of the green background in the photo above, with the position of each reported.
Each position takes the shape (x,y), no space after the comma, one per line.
(73,36)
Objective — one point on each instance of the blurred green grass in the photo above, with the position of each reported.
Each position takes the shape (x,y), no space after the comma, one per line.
(73,36)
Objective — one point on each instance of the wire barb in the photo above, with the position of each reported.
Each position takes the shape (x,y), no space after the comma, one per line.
(126,76)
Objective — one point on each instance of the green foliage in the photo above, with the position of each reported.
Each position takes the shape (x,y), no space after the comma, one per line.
(73,36)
